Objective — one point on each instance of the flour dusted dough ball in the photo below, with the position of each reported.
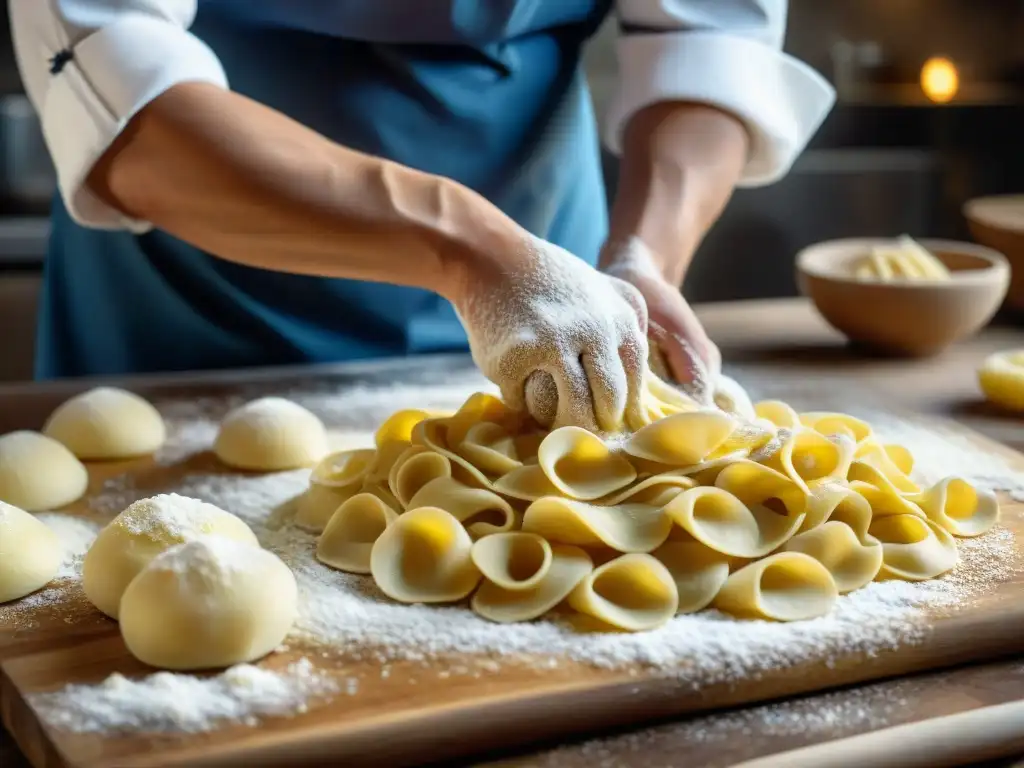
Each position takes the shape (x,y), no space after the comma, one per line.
(209,603)
(38,473)
(30,553)
(141,532)
(269,435)
(107,423)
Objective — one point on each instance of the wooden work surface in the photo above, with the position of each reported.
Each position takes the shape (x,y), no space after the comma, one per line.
(392,722)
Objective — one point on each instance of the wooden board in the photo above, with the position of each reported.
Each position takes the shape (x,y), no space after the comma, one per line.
(417,714)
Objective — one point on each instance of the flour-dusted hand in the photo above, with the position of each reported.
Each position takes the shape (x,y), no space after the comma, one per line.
(547,318)
(681,344)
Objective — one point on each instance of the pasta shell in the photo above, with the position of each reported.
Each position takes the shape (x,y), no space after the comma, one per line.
(722,522)
(830,500)
(515,561)
(345,469)
(778,413)
(633,592)
(807,455)
(479,510)
(828,423)
(490,448)
(756,484)
(424,557)
(836,546)
(625,528)
(478,408)
(581,466)
(569,566)
(433,434)
(698,571)
(348,539)
(527,483)
(315,507)
(875,456)
(913,548)
(382,493)
(732,398)
(959,507)
(391,440)
(682,440)
(653,490)
(414,471)
(788,586)
(885,501)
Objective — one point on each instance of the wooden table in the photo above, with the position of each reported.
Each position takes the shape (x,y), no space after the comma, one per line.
(789,332)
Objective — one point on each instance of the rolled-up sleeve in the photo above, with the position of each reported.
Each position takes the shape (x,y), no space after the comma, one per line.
(727,54)
(89,66)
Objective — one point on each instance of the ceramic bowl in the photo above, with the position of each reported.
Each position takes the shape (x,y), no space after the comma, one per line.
(998,222)
(913,318)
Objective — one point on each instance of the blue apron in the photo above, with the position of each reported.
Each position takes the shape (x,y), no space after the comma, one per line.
(487,92)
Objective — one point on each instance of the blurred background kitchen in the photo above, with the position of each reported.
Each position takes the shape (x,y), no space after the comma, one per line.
(930,113)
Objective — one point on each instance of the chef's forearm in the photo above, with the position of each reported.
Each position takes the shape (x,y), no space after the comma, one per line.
(680,164)
(252,186)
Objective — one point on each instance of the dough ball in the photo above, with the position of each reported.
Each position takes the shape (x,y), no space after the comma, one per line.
(208,603)
(1001,377)
(38,473)
(144,530)
(542,398)
(269,435)
(30,553)
(107,423)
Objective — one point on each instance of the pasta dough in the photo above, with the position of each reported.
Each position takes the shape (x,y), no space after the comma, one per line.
(107,423)
(761,512)
(141,532)
(1001,377)
(30,553)
(37,473)
(208,603)
(333,481)
(784,587)
(269,435)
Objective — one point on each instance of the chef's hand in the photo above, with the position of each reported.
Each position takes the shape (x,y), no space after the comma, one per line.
(692,358)
(544,325)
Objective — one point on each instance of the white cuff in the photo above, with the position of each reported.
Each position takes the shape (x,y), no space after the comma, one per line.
(781,100)
(113,74)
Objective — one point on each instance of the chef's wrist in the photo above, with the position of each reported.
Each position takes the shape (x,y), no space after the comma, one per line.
(477,242)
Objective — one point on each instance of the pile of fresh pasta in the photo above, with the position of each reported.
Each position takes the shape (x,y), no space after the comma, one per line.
(767,514)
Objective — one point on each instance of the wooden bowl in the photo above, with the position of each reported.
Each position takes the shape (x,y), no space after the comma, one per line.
(998,222)
(913,318)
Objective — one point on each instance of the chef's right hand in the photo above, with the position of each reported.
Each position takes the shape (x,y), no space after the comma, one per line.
(542,321)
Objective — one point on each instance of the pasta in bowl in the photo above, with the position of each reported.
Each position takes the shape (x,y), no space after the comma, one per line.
(762,513)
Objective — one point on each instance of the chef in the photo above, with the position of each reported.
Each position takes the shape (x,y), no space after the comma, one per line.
(258,182)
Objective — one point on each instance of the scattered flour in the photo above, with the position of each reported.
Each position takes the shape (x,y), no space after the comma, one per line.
(348,614)
(165,701)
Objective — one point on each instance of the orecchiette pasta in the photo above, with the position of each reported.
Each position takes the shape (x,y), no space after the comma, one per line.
(632,592)
(758,511)
(349,537)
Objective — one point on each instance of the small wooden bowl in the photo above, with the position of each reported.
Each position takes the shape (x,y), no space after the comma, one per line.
(914,318)
(998,222)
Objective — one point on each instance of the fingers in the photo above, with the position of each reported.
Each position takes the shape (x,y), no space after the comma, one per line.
(608,385)
(542,398)
(633,354)
(575,401)
(635,299)
(686,364)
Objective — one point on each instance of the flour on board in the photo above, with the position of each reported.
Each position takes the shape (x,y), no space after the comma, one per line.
(347,613)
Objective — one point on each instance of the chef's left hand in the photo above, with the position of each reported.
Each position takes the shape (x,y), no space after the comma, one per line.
(692,358)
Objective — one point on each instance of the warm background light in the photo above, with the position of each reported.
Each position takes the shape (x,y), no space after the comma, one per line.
(939,80)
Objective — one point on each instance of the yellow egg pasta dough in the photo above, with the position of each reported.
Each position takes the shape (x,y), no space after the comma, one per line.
(760,512)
